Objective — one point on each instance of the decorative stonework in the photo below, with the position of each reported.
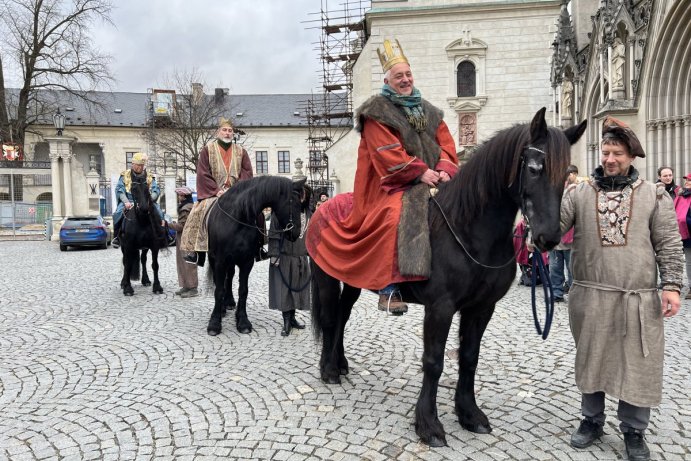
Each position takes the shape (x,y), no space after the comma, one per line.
(467,129)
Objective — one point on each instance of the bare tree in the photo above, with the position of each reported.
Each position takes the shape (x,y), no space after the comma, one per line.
(46,44)
(190,125)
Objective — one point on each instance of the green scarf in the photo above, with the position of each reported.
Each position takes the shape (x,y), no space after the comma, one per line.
(411,105)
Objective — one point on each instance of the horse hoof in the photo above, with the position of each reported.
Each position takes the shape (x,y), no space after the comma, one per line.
(146,284)
(245,330)
(159,291)
(344,371)
(211,332)
(331,379)
(477,428)
(129,293)
(436,442)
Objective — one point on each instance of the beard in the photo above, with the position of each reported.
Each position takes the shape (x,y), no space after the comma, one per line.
(226,140)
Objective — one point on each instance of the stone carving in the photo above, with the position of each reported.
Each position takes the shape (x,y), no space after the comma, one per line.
(468,129)
(618,63)
(566,99)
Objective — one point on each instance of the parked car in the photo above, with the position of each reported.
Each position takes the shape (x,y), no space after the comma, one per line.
(80,231)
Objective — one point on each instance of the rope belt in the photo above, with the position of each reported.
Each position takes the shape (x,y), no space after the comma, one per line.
(627,299)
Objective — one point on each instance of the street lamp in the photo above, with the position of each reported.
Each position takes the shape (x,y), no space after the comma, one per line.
(59,122)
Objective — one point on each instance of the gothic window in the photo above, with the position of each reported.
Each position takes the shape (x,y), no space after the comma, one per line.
(465,78)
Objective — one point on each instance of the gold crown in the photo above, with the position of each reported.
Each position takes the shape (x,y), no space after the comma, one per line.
(392,55)
(139,158)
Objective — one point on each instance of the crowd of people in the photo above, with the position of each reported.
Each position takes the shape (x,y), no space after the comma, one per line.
(619,261)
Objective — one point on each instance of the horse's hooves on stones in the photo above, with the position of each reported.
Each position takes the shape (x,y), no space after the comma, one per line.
(477,428)
(212,332)
(146,284)
(436,442)
(129,293)
(344,371)
(331,379)
(159,291)
(245,330)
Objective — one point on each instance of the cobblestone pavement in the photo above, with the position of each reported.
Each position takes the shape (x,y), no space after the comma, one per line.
(86,373)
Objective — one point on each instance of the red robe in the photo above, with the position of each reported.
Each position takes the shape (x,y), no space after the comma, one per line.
(359,247)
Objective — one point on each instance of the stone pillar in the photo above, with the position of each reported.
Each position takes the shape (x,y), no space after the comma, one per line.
(171,196)
(92,190)
(67,175)
(629,81)
(603,96)
(651,171)
(336,182)
(610,94)
(60,147)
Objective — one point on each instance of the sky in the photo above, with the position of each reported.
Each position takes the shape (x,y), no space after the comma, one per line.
(247,46)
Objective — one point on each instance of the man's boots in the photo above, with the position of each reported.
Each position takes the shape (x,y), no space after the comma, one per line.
(636,448)
(290,322)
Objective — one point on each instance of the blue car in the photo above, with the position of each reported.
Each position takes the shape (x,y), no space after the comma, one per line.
(78,231)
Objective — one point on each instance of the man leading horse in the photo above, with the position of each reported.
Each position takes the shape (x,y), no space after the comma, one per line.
(405,149)
(123,192)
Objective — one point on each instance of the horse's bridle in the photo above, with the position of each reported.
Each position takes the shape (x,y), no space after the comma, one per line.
(136,203)
(521,205)
(265,233)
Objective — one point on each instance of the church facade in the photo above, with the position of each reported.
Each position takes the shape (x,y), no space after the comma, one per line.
(628,59)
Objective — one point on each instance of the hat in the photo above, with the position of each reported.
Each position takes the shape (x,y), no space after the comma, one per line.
(392,55)
(184,190)
(688,176)
(620,131)
(224,122)
(139,158)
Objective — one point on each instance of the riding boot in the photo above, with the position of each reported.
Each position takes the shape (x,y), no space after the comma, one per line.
(115,243)
(287,327)
(294,322)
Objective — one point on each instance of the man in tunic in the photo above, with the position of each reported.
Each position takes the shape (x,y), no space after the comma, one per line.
(405,149)
(221,164)
(624,232)
(123,193)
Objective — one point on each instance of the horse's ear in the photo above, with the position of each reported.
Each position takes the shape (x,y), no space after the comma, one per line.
(574,133)
(538,127)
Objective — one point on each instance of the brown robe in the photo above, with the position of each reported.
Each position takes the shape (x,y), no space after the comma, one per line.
(187,273)
(619,244)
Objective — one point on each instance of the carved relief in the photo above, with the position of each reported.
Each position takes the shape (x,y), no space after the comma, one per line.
(467,129)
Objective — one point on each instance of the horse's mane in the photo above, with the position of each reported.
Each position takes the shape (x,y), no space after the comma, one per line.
(244,197)
(495,165)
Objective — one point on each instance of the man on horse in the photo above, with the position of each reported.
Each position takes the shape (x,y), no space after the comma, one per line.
(405,149)
(222,163)
(124,194)
(625,232)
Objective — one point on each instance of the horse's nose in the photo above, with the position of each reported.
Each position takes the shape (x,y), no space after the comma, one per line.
(546,243)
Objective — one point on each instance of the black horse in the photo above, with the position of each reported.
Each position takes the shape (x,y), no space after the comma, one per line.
(234,238)
(471,221)
(141,230)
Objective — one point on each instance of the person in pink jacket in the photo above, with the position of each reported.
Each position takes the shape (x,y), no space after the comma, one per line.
(682,205)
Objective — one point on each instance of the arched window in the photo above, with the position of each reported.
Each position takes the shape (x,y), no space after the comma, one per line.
(465,78)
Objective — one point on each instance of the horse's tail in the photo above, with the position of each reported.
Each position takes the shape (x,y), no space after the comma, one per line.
(135,270)
(316,310)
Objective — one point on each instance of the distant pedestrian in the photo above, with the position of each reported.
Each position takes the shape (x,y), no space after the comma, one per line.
(665,175)
(187,273)
(560,256)
(682,207)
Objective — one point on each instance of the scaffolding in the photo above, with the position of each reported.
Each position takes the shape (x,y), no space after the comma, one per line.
(329,112)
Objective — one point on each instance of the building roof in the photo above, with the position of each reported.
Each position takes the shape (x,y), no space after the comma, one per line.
(134,109)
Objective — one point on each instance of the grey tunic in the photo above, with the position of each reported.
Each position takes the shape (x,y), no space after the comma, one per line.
(293,268)
(620,241)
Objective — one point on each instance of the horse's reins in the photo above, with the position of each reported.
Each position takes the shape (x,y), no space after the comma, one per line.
(544,271)
(265,233)
(137,207)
